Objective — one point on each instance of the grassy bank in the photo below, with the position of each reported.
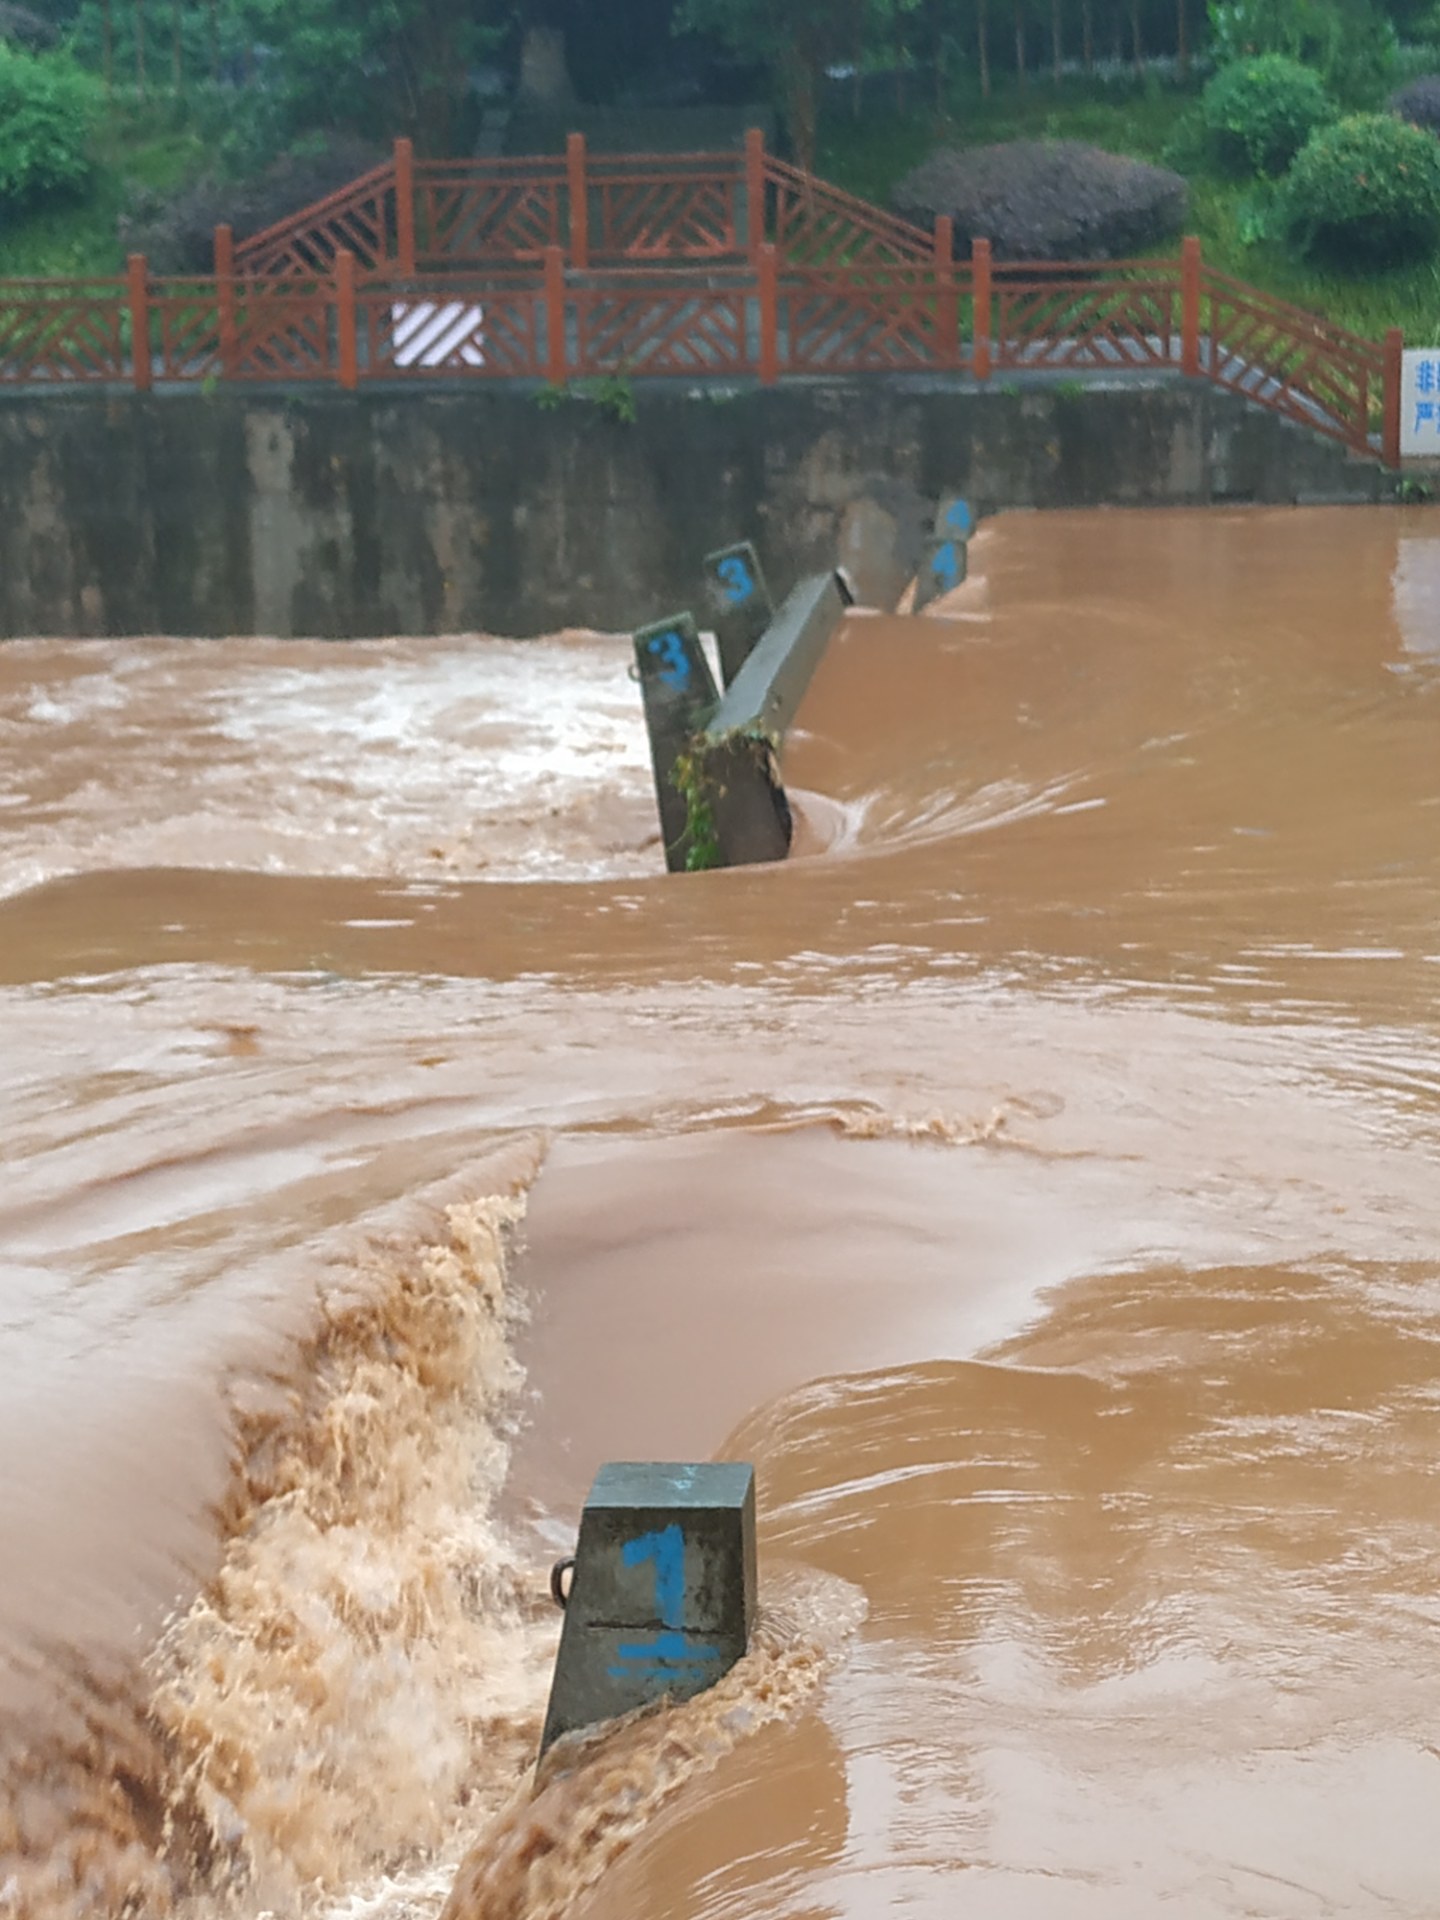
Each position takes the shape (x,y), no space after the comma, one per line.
(149,146)
(139,147)
(869,155)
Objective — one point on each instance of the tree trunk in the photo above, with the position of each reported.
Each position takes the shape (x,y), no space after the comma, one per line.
(214,41)
(937,15)
(857,84)
(983,42)
(1057,41)
(107,43)
(1137,50)
(1182,37)
(1087,27)
(801,106)
(1020,74)
(140,45)
(177,50)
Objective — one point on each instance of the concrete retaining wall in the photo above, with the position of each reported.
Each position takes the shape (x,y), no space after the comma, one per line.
(459,509)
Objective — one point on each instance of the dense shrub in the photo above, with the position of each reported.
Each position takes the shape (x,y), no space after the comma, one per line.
(1259,113)
(48,109)
(1046,200)
(1351,44)
(1364,192)
(1419,102)
(177,234)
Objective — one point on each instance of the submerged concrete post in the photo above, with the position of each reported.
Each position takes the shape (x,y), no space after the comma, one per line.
(946,555)
(663,1596)
(740,604)
(680,696)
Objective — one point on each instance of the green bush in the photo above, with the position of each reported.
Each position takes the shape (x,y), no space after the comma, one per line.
(1350,43)
(48,110)
(1259,113)
(1364,193)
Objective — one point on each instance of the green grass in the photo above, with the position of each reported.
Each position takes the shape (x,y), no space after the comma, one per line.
(869,156)
(138,146)
(147,145)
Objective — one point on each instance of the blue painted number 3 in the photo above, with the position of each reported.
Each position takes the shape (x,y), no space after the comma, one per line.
(669,649)
(736,580)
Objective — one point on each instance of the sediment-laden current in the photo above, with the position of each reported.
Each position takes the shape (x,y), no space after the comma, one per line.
(1036,1177)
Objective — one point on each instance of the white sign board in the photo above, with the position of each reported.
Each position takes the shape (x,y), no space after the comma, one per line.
(1420,403)
(428,333)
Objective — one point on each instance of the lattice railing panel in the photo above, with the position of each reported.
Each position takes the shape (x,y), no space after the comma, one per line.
(660,219)
(63,330)
(857,321)
(484,330)
(816,224)
(462,220)
(1085,317)
(185,329)
(657,328)
(283,333)
(1291,361)
(360,218)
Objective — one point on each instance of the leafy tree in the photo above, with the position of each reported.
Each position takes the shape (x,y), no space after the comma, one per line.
(1261,111)
(796,40)
(48,108)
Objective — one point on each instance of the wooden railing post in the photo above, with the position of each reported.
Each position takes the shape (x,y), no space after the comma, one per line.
(405,207)
(1190,305)
(345,319)
(138,276)
(555,349)
(225,300)
(769,279)
(981,290)
(947,302)
(577,174)
(1394,373)
(754,194)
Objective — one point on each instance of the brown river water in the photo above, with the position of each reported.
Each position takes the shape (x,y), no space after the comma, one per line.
(1036,1177)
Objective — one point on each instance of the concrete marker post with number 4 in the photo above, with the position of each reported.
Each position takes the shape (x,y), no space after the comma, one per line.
(946,554)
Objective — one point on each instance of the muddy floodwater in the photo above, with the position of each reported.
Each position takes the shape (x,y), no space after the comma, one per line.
(1038,1178)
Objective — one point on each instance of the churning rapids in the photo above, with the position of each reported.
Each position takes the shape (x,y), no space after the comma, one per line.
(1036,1177)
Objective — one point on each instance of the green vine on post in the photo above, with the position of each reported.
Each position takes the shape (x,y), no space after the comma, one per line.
(688,778)
(693,778)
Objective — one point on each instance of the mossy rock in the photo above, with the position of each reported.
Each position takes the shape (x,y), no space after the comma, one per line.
(1046,200)
(1418,101)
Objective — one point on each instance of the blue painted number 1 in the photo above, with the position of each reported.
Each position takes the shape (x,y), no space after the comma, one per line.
(669,1659)
(667,1550)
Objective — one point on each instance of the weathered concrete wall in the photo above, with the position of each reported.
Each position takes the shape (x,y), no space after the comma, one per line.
(455,509)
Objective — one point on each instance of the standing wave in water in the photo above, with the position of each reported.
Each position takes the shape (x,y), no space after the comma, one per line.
(1035,1179)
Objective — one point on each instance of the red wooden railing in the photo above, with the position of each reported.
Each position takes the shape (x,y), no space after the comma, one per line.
(705,267)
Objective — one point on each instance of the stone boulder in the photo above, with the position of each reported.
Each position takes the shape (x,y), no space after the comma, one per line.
(1046,200)
(1418,101)
(22,28)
